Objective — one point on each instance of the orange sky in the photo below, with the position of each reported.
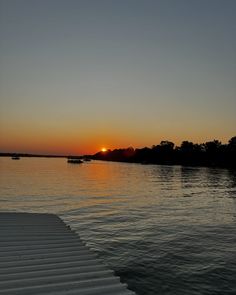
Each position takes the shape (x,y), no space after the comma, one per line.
(63,143)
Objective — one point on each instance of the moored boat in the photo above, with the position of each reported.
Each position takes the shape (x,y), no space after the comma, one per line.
(74,161)
(15,158)
(87,159)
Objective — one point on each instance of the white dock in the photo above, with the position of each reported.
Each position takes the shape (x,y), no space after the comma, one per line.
(40,254)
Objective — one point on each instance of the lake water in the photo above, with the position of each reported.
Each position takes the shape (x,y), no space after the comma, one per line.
(163,229)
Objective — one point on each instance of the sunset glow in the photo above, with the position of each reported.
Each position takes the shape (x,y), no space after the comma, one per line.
(77,75)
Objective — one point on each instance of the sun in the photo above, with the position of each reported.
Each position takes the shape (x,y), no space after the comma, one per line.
(104,149)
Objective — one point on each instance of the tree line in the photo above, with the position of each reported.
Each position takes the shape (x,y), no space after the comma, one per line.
(212,153)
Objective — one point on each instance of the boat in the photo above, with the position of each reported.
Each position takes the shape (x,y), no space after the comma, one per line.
(87,159)
(74,161)
(15,158)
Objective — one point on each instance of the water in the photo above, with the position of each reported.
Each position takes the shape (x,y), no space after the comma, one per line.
(163,229)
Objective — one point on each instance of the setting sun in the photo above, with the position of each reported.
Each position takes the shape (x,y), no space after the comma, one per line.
(103,149)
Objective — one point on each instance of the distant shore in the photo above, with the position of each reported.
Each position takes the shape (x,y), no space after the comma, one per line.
(209,154)
(25,155)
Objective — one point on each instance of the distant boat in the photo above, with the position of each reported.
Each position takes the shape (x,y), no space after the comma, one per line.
(15,158)
(74,161)
(87,159)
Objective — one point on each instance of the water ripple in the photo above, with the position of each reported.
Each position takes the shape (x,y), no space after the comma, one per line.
(163,229)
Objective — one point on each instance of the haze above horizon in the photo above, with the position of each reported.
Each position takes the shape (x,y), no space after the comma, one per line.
(79,76)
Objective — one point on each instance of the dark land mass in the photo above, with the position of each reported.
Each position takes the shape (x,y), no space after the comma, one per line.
(209,154)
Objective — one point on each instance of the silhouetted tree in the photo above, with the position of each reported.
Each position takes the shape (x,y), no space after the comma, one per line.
(232,141)
(211,153)
(167,145)
(186,146)
(232,144)
(212,146)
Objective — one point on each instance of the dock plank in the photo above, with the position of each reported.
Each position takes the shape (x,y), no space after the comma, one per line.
(40,254)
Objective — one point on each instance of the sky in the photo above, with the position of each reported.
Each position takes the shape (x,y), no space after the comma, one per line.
(80,75)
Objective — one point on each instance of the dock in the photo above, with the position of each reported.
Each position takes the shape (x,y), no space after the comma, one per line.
(41,254)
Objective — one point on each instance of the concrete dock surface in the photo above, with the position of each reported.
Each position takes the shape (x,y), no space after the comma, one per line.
(40,254)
